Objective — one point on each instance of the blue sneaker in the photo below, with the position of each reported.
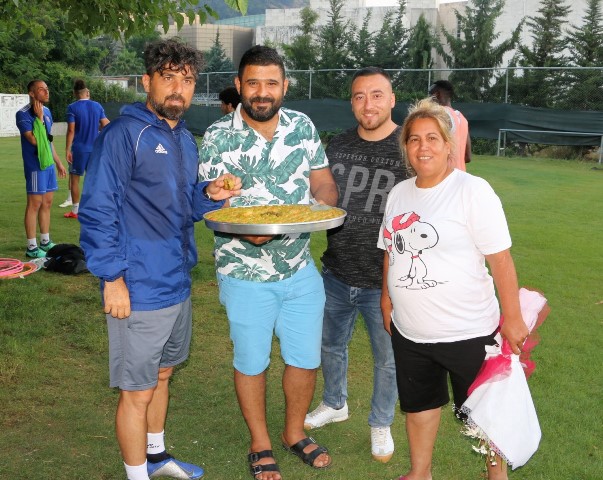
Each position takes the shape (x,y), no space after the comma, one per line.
(170,467)
(47,246)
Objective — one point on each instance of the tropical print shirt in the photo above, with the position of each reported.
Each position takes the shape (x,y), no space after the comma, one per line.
(272,172)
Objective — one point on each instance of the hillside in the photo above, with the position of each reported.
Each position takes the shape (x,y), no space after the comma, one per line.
(255,7)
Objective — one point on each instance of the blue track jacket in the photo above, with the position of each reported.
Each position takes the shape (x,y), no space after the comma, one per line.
(140,200)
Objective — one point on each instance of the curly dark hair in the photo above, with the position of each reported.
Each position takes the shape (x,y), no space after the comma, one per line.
(172,55)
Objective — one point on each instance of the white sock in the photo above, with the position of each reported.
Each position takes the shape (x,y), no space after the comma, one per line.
(155,443)
(69,199)
(139,472)
(75,208)
(44,238)
(32,244)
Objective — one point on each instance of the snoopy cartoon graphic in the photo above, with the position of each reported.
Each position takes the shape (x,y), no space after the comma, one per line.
(409,237)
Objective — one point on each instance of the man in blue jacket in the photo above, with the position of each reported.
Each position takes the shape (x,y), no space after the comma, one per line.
(137,215)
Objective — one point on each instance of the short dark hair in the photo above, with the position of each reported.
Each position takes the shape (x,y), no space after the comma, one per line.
(32,84)
(368,71)
(263,56)
(173,55)
(444,86)
(79,85)
(230,96)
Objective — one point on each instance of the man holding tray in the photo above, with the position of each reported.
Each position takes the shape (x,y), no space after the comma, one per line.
(269,284)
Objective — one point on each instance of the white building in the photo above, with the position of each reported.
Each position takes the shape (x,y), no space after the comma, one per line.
(234,39)
(282,25)
(10,104)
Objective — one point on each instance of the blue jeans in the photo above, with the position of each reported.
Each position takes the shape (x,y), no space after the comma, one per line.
(341,309)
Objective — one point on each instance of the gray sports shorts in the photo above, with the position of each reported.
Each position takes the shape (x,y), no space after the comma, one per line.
(144,342)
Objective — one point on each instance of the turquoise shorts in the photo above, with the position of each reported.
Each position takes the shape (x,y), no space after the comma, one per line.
(292,309)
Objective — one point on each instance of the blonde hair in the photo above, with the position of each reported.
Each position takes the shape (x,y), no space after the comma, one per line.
(427,108)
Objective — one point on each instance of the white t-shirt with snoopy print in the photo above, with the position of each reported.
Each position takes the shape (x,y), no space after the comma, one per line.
(436,239)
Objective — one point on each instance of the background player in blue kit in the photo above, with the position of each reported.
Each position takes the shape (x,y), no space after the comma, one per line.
(40,181)
(85,119)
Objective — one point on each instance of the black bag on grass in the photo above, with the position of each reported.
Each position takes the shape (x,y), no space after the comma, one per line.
(65,258)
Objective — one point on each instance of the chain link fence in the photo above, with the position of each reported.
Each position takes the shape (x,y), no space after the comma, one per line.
(569,88)
(559,90)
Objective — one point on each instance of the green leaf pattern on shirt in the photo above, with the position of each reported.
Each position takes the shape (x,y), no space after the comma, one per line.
(275,172)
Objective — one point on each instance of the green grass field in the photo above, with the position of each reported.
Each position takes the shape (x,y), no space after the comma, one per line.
(56,420)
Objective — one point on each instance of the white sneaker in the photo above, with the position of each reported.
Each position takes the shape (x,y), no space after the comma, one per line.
(66,203)
(382,444)
(323,415)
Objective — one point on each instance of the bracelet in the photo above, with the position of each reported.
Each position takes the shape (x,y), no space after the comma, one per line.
(206,194)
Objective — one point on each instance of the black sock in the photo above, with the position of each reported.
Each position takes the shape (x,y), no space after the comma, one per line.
(158,457)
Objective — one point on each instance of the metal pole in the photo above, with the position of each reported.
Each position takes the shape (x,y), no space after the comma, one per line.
(207,82)
(498,145)
(507,86)
(601,151)
(310,87)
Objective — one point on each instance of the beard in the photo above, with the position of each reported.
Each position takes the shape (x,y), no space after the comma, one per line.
(371,124)
(171,112)
(262,114)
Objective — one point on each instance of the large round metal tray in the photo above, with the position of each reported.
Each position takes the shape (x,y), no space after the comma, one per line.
(275,228)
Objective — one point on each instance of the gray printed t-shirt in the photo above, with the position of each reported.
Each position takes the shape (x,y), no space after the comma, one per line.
(365,172)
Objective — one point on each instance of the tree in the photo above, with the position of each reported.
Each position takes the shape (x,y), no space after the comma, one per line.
(585,44)
(60,40)
(475,49)
(541,88)
(362,45)
(391,42)
(413,84)
(126,59)
(126,63)
(333,44)
(138,42)
(302,54)
(56,56)
(111,17)
(217,61)
(420,43)
(548,40)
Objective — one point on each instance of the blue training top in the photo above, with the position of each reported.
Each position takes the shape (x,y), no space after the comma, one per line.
(25,118)
(86,114)
(140,199)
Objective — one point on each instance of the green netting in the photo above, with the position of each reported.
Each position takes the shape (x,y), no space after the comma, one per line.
(485,120)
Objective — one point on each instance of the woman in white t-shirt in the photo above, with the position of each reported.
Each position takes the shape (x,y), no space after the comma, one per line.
(440,228)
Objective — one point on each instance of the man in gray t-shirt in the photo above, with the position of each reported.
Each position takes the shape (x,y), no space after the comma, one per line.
(366,163)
